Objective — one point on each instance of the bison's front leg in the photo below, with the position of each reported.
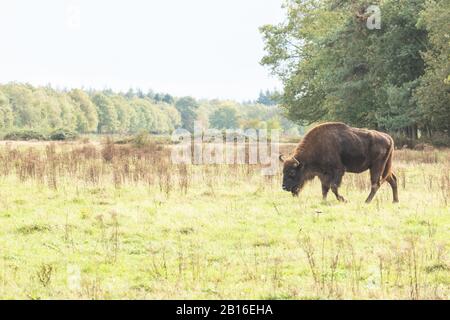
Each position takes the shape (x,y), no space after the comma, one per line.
(325,180)
(336,183)
(340,198)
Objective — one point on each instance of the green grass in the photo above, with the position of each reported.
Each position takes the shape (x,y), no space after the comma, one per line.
(237,237)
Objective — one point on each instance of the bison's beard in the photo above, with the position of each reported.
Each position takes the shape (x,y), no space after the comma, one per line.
(296,190)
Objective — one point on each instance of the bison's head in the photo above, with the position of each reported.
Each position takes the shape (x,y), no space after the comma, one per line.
(293,176)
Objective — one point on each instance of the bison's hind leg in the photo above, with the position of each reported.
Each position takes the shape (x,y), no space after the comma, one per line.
(390,177)
(325,189)
(375,180)
(379,173)
(392,180)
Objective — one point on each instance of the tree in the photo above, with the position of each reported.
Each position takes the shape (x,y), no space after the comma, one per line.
(137,119)
(157,97)
(130,94)
(433,92)
(334,68)
(150,94)
(6,112)
(168,99)
(224,118)
(268,98)
(187,107)
(173,115)
(68,112)
(88,117)
(140,94)
(26,114)
(124,113)
(108,121)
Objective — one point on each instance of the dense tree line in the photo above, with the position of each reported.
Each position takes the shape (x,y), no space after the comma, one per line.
(45,109)
(333,67)
(25,107)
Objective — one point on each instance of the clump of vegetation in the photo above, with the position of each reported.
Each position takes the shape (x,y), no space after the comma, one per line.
(25,135)
(33,228)
(124,141)
(33,135)
(63,134)
(143,139)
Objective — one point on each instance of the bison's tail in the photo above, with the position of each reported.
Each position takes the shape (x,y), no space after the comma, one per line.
(388,166)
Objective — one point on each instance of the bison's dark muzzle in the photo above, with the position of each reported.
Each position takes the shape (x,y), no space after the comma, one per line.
(294,189)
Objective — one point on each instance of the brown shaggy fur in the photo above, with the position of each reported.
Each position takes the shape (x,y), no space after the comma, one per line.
(331,149)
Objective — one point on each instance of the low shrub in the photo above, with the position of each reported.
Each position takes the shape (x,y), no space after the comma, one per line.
(25,135)
(63,135)
(144,139)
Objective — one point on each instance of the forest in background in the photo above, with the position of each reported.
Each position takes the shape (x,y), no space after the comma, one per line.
(395,78)
(44,109)
(332,65)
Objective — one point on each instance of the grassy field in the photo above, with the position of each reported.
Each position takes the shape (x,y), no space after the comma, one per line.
(90,221)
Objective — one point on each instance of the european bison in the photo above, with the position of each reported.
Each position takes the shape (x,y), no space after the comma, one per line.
(331,149)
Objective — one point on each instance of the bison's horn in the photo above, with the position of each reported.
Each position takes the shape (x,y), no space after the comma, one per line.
(281,158)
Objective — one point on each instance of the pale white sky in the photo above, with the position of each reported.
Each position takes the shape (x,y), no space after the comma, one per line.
(203,48)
